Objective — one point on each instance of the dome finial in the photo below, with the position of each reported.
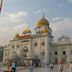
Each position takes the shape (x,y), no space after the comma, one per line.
(43,14)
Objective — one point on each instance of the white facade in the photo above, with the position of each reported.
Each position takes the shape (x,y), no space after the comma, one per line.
(28,46)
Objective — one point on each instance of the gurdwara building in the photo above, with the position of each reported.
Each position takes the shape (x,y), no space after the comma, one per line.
(28,46)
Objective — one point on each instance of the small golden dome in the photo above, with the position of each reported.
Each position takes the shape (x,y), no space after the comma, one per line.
(45,30)
(17,35)
(26,31)
(43,21)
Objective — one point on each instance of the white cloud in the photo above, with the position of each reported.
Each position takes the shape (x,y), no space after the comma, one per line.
(48,10)
(44,10)
(56,18)
(13,17)
(20,28)
(4,29)
(38,11)
(70,1)
(10,24)
(61,27)
(19,15)
(60,5)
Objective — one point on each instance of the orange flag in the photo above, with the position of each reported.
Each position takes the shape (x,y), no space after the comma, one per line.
(1,1)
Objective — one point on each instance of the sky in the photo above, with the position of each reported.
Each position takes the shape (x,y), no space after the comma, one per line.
(17,15)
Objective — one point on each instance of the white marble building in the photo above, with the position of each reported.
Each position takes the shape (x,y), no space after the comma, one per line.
(28,46)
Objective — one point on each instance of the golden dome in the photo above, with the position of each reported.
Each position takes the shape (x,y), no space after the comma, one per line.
(42,22)
(45,30)
(17,35)
(26,31)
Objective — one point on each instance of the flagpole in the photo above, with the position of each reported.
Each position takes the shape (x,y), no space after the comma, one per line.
(1,5)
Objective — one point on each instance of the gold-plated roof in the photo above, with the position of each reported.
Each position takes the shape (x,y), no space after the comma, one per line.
(17,35)
(43,21)
(26,31)
(45,30)
(25,37)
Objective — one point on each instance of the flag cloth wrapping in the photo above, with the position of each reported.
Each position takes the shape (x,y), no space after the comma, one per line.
(1,1)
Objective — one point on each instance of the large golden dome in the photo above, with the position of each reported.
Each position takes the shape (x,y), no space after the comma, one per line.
(42,22)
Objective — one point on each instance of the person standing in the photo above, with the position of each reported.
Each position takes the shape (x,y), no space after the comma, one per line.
(61,67)
(31,67)
(14,67)
(51,67)
(70,66)
(9,68)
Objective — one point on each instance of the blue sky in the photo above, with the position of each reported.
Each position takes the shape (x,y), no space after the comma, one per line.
(57,7)
(17,15)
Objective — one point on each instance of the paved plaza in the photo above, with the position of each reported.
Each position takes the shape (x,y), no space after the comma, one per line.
(41,69)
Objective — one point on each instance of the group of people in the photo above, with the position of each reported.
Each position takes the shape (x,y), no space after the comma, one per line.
(11,67)
(71,67)
(31,67)
(61,68)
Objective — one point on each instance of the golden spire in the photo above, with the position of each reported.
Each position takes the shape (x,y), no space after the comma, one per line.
(43,14)
(43,21)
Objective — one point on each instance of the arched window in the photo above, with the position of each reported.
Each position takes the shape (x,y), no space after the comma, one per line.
(64,53)
(71,51)
(25,49)
(42,32)
(43,43)
(56,61)
(35,44)
(12,46)
(39,32)
(56,53)
(18,46)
